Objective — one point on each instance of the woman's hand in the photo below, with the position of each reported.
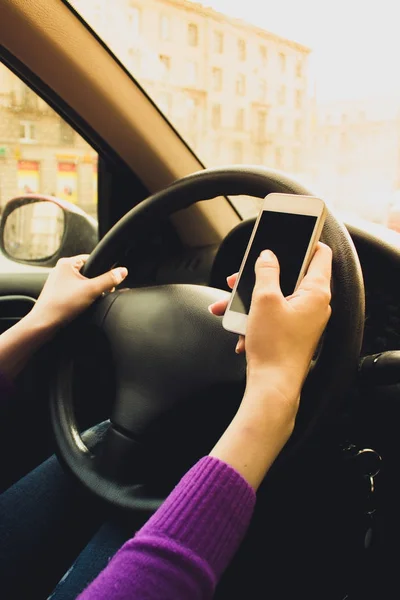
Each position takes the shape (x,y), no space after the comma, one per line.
(65,295)
(281,337)
(67,292)
(282,333)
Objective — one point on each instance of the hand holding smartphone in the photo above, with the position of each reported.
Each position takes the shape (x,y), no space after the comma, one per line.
(290,226)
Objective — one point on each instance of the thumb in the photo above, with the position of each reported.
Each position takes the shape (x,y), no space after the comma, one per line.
(109,280)
(267,275)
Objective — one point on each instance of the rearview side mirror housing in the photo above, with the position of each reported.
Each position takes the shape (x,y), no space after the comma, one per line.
(39,230)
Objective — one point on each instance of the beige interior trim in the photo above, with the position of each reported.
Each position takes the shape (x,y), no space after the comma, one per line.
(47,37)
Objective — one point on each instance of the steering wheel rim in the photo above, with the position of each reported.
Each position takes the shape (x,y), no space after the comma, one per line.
(334,370)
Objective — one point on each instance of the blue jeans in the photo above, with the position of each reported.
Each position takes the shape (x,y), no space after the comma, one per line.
(91,561)
(46,521)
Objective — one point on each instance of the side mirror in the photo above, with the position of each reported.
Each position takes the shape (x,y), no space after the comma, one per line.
(38,230)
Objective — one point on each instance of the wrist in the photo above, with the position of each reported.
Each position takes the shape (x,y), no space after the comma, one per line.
(268,410)
(256,436)
(39,323)
(282,387)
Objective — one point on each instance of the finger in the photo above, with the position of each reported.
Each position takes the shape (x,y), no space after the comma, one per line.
(267,276)
(218,308)
(231,280)
(321,263)
(79,261)
(240,345)
(109,280)
(83,257)
(76,262)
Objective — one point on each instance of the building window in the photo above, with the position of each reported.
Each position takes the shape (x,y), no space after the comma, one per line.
(282,62)
(237,151)
(192,72)
(165,102)
(263,55)
(192,114)
(280,125)
(239,122)
(261,124)
(218,42)
(193,35)
(241,50)
(299,98)
(298,129)
(165,62)
(262,90)
(30,99)
(217,79)
(27,131)
(241,85)
(299,68)
(165,31)
(23,97)
(191,105)
(134,19)
(282,95)
(279,157)
(216,116)
(67,134)
(191,127)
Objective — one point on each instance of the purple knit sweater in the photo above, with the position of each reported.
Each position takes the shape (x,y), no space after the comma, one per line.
(181,552)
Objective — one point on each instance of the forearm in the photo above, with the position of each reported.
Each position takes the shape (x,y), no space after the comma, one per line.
(256,435)
(19,343)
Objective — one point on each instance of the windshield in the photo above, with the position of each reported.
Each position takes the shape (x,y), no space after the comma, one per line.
(306,87)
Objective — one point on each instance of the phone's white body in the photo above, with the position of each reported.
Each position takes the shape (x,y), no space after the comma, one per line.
(282,203)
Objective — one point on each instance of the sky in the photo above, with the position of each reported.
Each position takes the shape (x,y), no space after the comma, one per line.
(355,43)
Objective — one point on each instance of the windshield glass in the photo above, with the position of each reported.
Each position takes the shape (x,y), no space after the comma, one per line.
(305,87)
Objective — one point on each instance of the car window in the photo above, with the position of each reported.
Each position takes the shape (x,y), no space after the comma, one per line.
(40,153)
(295,86)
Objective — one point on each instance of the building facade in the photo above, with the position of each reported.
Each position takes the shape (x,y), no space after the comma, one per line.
(355,159)
(236,92)
(39,152)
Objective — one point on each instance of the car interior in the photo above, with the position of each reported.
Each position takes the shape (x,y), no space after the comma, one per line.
(327,512)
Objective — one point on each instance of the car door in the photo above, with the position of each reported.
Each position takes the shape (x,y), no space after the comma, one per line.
(40,153)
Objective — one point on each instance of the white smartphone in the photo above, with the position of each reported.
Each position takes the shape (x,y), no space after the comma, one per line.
(290,226)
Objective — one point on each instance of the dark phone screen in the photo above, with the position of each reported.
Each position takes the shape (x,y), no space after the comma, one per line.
(288,236)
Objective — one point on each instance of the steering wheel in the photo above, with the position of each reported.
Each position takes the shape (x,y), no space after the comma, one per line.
(165,345)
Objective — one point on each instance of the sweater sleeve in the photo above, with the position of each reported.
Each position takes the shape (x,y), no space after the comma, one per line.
(182,551)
